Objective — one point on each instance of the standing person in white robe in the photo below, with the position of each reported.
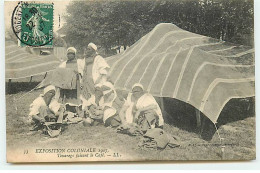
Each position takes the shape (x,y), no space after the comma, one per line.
(70,96)
(95,72)
(141,108)
(76,63)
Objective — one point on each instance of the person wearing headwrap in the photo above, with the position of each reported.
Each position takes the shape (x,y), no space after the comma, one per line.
(95,71)
(76,63)
(104,105)
(71,61)
(126,113)
(69,96)
(45,108)
(110,104)
(93,113)
(141,108)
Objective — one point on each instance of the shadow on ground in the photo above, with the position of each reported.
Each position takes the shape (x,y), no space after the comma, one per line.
(16,87)
(183,115)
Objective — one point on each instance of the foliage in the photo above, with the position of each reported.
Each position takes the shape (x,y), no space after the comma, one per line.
(113,23)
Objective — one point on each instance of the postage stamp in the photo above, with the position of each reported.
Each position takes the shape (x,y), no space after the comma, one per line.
(32,23)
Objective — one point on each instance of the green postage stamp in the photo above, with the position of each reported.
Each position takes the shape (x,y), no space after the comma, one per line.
(33,24)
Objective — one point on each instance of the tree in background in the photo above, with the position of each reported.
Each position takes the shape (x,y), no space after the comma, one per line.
(113,23)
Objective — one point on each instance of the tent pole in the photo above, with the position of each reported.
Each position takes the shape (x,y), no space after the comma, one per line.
(31,79)
(45,75)
(162,104)
(221,143)
(198,118)
(202,125)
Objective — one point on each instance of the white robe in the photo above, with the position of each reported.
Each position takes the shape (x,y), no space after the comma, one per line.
(39,102)
(148,100)
(143,101)
(80,63)
(100,67)
(129,117)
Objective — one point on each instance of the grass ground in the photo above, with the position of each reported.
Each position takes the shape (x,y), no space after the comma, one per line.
(238,134)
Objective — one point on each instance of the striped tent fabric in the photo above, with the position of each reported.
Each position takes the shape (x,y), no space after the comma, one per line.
(199,70)
(19,63)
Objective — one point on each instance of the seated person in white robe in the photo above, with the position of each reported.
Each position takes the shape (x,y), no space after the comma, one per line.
(110,104)
(45,108)
(141,108)
(104,105)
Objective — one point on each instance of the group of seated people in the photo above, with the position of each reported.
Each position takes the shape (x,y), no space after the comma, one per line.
(92,98)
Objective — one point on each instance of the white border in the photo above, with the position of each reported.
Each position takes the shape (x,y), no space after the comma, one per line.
(252,165)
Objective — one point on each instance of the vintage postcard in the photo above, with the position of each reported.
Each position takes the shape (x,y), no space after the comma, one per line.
(129,80)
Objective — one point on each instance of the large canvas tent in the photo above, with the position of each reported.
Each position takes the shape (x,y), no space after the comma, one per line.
(199,70)
(19,63)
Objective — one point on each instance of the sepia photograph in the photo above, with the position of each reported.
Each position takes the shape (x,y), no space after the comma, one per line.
(129,80)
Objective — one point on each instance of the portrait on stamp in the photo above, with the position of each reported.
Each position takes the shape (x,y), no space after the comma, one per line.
(33,24)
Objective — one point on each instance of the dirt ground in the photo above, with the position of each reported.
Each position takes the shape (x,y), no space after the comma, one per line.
(239,137)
